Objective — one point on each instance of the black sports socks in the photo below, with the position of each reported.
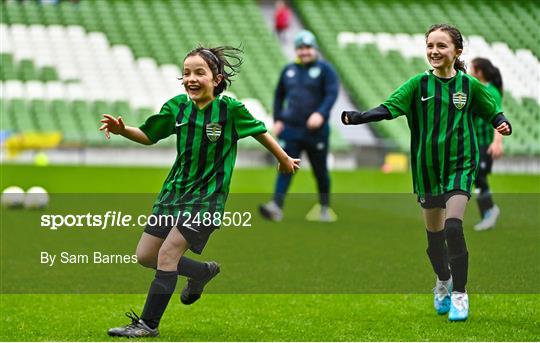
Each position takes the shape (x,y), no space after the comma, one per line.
(438,254)
(457,253)
(158,297)
(485,202)
(192,268)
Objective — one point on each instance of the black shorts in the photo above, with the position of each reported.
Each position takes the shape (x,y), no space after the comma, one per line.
(197,236)
(439,201)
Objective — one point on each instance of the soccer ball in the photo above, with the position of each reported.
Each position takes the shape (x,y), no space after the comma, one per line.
(13,197)
(36,197)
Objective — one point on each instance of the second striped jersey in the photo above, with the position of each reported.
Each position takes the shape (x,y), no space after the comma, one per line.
(484,131)
(444,147)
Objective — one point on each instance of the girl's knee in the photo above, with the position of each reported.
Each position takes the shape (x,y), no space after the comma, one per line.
(147,250)
(146,259)
(168,257)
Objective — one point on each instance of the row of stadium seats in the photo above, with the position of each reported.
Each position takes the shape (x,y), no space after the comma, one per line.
(376,46)
(162,30)
(72,63)
(61,76)
(90,63)
(78,120)
(512,21)
(518,69)
(24,70)
(130,51)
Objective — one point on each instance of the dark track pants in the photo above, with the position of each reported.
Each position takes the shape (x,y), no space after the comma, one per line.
(316,148)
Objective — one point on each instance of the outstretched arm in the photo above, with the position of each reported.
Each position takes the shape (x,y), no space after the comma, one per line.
(118,127)
(287,164)
(375,114)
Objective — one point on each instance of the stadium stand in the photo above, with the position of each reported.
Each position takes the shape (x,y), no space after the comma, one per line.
(63,65)
(377,45)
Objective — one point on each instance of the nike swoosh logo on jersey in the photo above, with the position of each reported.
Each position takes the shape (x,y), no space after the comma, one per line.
(181,124)
(426,99)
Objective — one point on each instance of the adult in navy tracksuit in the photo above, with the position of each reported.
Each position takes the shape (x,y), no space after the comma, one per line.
(305,94)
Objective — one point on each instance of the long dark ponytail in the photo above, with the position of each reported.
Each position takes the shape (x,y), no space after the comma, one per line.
(489,71)
(457,39)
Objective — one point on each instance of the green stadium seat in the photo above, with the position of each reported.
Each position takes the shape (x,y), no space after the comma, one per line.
(7,122)
(27,70)
(48,74)
(67,120)
(100,107)
(26,121)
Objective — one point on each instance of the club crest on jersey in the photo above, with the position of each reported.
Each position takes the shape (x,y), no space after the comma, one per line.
(459,99)
(213,131)
(314,72)
(290,73)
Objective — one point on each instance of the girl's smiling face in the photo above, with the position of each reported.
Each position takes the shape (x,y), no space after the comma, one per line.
(440,50)
(199,80)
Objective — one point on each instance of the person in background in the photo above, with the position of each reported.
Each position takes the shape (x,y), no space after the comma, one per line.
(490,142)
(282,19)
(304,96)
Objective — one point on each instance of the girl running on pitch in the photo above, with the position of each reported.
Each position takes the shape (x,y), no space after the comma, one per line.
(439,106)
(207,128)
(490,142)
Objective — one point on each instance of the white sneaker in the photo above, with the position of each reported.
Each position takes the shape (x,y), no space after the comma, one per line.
(489,220)
(321,214)
(459,307)
(271,211)
(441,295)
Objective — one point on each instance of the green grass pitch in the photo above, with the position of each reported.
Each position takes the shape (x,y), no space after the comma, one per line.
(377,294)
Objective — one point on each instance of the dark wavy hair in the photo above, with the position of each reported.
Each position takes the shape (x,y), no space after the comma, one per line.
(457,39)
(490,72)
(224,60)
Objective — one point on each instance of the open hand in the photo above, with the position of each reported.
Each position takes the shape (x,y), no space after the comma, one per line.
(290,166)
(112,125)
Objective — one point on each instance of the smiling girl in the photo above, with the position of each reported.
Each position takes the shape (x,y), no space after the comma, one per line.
(207,128)
(439,106)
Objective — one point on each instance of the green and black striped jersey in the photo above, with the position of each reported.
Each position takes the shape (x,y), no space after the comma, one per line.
(444,149)
(206,150)
(484,130)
